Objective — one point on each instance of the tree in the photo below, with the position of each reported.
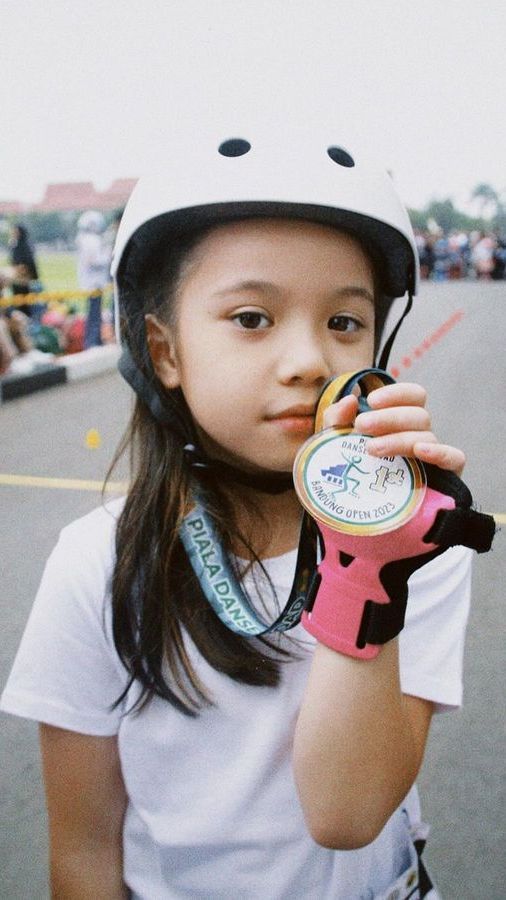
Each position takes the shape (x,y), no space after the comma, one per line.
(418,219)
(487,197)
(444,213)
(447,216)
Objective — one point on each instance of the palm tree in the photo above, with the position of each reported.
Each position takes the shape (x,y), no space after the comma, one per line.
(487,196)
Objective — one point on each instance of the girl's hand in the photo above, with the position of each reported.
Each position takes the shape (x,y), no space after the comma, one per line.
(399,423)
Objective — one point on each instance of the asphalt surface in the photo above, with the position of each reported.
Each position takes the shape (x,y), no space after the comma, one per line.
(463,778)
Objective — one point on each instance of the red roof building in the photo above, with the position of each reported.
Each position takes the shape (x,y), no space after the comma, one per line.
(78,195)
(12,208)
(117,194)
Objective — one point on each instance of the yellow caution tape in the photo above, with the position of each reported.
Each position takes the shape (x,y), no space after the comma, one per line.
(48,296)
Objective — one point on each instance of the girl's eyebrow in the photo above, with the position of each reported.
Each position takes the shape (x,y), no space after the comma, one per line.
(251,284)
(354,291)
(268,287)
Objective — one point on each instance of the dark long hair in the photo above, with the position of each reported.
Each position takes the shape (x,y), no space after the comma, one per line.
(157,602)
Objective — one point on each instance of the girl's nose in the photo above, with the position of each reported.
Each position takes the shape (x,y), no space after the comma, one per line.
(303,359)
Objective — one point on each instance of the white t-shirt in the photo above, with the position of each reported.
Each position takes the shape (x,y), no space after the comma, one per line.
(213,811)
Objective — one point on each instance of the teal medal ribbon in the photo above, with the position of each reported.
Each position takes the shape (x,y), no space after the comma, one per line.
(221,586)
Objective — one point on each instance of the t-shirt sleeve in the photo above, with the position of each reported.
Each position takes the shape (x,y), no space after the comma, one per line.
(431,646)
(66,672)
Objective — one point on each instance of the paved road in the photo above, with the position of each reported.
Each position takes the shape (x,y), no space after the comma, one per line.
(464,774)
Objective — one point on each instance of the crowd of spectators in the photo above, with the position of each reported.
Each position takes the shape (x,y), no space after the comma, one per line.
(33,333)
(461,254)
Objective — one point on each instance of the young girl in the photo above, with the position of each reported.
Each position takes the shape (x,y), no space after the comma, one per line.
(182,759)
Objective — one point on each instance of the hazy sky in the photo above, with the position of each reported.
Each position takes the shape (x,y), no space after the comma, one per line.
(91,89)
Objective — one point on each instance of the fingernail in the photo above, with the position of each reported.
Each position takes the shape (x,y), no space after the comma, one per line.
(364,421)
(376,447)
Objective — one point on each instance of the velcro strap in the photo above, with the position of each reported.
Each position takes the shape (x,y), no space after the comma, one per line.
(381,622)
(462,526)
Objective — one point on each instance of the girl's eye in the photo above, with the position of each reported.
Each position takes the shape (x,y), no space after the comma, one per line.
(344,324)
(250,320)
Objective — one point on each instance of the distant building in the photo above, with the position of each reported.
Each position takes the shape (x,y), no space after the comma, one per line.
(12,208)
(65,197)
(78,195)
(74,196)
(117,194)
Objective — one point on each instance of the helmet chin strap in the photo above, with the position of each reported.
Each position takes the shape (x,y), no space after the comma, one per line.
(385,353)
(264,480)
(146,391)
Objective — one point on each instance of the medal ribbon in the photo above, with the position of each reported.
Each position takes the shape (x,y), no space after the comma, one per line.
(221,586)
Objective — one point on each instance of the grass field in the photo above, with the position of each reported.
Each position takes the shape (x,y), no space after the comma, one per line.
(58,272)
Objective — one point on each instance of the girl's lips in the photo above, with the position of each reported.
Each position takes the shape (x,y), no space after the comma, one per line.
(295,424)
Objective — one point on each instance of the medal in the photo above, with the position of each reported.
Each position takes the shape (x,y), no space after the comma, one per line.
(343,486)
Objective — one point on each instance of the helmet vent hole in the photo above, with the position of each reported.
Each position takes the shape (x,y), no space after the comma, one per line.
(341,157)
(234,147)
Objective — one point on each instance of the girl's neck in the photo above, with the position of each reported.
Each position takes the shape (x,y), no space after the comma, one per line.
(270,522)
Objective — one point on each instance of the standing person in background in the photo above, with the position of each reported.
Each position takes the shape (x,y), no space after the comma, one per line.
(109,238)
(424,243)
(499,268)
(482,256)
(92,271)
(441,257)
(22,259)
(111,233)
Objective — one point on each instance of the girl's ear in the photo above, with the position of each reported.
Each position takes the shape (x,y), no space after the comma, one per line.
(161,346)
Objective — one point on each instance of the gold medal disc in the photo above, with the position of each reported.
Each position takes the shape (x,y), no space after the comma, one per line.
(341,485)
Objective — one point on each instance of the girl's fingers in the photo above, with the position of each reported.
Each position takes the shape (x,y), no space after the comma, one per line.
(393,419)
(393,398)
(401,394)
(450,458)
(398,424)
(401,444)
(341,414)
(423,446)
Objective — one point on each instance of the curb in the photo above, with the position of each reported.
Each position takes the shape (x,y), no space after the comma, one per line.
(75,367)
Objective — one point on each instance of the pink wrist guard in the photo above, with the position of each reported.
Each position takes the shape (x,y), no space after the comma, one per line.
(357,600)
(354,611)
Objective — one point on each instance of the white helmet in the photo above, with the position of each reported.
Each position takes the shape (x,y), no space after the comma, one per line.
(205,183)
